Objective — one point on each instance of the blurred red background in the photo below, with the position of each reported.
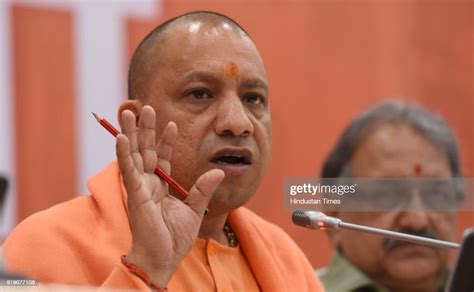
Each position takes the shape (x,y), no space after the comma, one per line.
(327,61)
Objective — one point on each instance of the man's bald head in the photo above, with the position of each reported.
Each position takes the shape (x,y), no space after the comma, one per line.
(148,52)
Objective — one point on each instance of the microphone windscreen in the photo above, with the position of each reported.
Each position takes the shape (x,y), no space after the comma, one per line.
(301,218)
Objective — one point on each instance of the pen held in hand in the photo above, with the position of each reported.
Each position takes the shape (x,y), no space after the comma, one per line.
(158,171)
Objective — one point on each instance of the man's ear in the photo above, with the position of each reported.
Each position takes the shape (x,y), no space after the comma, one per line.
(135,106)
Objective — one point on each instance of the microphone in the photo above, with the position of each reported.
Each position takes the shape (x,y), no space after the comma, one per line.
(319,221)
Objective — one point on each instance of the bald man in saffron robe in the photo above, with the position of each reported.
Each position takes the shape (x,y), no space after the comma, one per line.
(198,108)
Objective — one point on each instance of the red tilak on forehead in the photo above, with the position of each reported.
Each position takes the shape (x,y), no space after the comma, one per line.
(417,169)
(231,70)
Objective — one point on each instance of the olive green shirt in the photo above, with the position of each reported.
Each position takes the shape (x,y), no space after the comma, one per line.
(343,276)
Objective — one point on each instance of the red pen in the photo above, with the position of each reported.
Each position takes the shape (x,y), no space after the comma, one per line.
(163,175)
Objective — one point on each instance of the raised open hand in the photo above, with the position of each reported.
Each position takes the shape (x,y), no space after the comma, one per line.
(163,227)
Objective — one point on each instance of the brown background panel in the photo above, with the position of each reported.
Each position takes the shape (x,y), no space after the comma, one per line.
(44,113)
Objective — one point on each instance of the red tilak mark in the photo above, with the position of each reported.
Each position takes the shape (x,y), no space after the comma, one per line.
(232,70)
(418,169)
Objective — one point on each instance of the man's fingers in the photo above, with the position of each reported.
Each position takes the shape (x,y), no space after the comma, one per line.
(203,190)
(130,130)
(164,147)
(129,172)
(146,138)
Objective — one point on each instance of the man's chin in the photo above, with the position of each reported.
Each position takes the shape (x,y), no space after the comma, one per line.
(229,197)
(413,263)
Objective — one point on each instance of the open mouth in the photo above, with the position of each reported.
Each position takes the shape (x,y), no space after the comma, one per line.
(231,159)
(233,156)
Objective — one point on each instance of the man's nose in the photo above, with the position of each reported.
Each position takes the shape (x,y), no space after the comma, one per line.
(414,220)
(415,217)
(232,118)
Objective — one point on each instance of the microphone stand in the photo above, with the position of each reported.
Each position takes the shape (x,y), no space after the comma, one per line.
(318,220)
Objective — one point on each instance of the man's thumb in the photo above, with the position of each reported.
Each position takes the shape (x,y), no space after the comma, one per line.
(202,191)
